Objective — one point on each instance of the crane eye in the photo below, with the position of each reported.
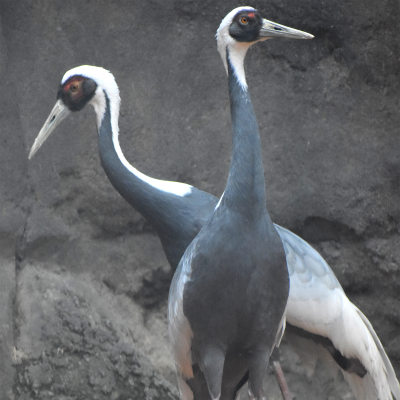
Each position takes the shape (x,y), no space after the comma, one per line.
(73,88)
(244,20)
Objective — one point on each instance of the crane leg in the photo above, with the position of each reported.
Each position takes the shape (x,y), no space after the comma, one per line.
(281,380)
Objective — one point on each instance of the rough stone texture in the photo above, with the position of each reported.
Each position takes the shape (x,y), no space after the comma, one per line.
(328,115)
(7,293)
(77,340)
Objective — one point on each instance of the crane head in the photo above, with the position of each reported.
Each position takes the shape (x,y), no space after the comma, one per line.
(245,26)
(76,92)
(72,95)
(79,87)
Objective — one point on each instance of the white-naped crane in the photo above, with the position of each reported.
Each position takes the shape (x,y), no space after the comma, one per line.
(317,307)
(227,300)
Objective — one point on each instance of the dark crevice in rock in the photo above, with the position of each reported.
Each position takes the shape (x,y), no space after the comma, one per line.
(154,290)
(20,245)
(318,229)
(353,288)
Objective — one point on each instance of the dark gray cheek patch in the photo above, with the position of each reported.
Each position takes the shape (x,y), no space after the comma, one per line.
(79,101)
(89,87)
(248,33)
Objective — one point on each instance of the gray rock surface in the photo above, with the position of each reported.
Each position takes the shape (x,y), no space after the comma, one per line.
(83,277)
(77,340)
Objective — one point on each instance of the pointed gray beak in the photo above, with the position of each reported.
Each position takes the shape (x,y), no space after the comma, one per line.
(58,113)
(271,29)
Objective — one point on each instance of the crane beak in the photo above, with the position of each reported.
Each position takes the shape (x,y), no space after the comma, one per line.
(58,113)
(270,29)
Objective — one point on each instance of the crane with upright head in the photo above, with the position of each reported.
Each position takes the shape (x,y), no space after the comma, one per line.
(317,309)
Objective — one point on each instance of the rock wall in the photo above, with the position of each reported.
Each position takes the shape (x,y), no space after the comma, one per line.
(83,278)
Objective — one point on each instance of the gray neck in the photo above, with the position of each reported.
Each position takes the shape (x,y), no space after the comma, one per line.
(245,189)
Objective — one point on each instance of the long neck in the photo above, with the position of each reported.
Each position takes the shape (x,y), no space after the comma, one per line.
(245,189)
(145,194)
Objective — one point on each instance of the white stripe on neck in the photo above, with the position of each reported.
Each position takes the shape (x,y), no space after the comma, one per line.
(177,188)
(105,82)
(219,202)
(236,56)
(237,50)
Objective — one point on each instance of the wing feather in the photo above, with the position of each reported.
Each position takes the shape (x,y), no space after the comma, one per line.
(390,374)
(318,304)
(180,331)
(315,297)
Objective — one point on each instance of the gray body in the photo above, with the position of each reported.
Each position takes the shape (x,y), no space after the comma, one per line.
(229,292)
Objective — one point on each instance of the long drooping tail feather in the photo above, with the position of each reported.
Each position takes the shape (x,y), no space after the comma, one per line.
(321,312)
(390,374)
(369,371)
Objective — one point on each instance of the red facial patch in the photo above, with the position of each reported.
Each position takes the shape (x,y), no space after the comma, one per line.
(71,80)
(251,15)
